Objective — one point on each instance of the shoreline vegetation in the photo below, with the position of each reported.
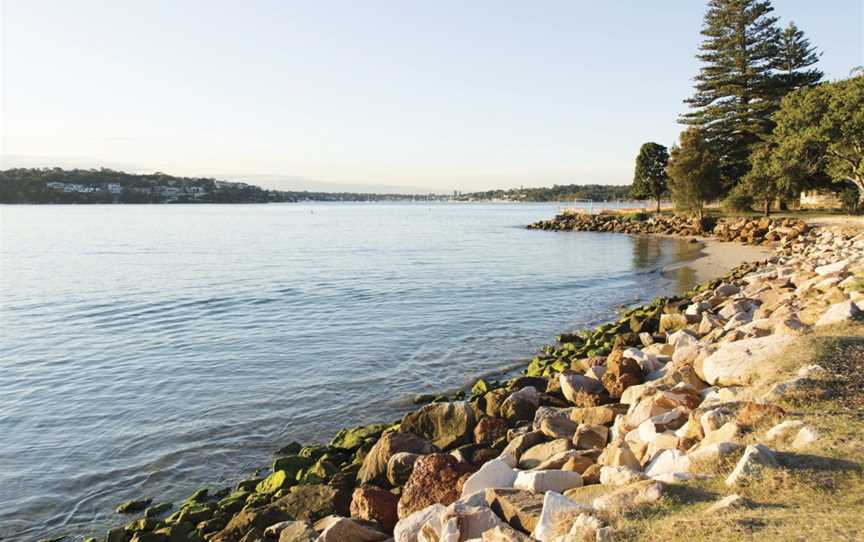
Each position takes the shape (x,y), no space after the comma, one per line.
(102,186)
(687,404)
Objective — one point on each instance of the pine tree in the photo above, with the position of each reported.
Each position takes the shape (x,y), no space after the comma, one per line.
(649,179)
(794,55)
(734,96)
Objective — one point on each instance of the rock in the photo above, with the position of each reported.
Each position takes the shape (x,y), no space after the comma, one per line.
(249,519)
(621,373)
(470,521)
(806,436)
(572,384)
(784,430)
(726,289)
(589,437)
(672,322)
(493,474)
(599,415)
(353,438)
(339,529)
(541,481)
(408,528)
(557,516)
(314,501)
(275,482)
(520,405)
(130,507)
(619,454)
(578,463)
(503,534)
(711,455)
(740,362)
(157,510)
(521,509)
(630,496)
(619,476)
(298,531)
(585,528)
(446,425)
(399,468)
(839,312)
(489,429)
(376,463)
(556,427)
(755,460)
(516,447)
(374,504)
(668,462)
(541,452)
(832,269)
(436,478)
(728,502)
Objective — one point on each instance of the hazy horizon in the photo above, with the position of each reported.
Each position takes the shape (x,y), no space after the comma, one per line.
(412,98)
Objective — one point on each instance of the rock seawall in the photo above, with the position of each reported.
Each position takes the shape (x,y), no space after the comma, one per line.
(742,229)
(602,420)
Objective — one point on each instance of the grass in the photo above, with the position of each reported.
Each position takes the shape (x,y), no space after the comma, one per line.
(817,495)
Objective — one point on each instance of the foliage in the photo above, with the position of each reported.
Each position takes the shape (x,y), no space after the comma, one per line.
(649,178)
(849,198)
(820,131)
(29,185)
(738,202)
(564,192)
(763,183)
(693,172)
(793,61)
(748,64)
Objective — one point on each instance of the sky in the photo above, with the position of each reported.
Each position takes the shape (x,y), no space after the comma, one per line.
(385,94)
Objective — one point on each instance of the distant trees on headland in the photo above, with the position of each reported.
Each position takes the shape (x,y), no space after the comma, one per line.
(56,185)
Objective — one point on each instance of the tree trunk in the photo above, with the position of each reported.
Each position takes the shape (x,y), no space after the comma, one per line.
(858,181)
(658,204)
(768,207)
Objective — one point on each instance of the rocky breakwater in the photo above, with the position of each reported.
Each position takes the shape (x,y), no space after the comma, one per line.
(752,231)
(602,422)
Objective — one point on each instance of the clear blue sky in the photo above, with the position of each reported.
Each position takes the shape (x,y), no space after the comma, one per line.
(437,94)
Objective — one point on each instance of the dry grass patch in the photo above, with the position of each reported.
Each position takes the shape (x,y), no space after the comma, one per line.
(818,495)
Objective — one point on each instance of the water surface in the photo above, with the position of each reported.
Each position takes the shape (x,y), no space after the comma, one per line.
(149,350)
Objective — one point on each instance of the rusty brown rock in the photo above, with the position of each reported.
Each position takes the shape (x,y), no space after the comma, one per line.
(375,504)
(436,478)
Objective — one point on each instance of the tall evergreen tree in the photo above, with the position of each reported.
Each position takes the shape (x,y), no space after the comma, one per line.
(794,56)
(734,96)
(649,178)
(693,172)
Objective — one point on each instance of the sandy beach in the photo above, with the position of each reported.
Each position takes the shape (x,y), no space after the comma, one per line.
(719,257)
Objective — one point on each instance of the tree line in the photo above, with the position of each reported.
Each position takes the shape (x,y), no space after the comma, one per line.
(33,185)
(762,126)
(558,192)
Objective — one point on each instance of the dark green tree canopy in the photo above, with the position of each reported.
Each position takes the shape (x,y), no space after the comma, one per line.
(693,172)
(748,65)
(649,178)
(793,61)
(733,98)
(820,131)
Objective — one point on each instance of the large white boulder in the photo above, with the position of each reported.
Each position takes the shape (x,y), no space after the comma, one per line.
(668,462)
(557,516)
(738,362)
(756,459)
(832,269)
(408,528)
(494,473)
(839,312)
(541,481)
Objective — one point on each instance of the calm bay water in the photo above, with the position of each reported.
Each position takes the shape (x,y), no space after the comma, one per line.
(149,350)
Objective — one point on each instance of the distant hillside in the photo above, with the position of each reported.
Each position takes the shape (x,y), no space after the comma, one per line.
(558,192)
(56,185)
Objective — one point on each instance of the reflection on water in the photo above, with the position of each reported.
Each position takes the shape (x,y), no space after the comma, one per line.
(149,350)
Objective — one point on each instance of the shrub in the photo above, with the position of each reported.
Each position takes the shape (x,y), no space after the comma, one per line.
(738,202)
